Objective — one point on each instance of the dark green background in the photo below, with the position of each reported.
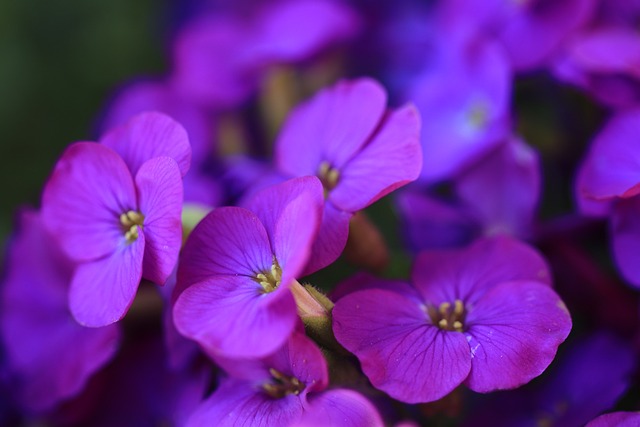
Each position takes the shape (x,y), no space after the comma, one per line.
(59,63)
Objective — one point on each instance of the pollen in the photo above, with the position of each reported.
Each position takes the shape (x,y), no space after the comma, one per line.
(282,385)
(271,279)
(131,222)
(328,175)
(447,316)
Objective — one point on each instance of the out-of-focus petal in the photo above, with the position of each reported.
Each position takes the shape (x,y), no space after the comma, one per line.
(89,189)
(340,408)
(625,238)
(149,135)
(160,201)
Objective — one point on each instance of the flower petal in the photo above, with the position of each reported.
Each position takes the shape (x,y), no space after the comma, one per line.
(331,127)
(231,316)
(399,349)
(160,201)
(390,160)
(82,202)
(514,331)
(102,291)
(330,240)
(625,238)
(228,241)
(340,408)
(150,135)
(444,276)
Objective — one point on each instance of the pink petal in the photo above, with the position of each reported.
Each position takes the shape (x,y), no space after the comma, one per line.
(444,276)
(399,349)
(514,331)
(228,241)
(150,135)
(89,189)
(160,199)
(625,238)
(230,316)
(392,159)
(331,127)
(102,291)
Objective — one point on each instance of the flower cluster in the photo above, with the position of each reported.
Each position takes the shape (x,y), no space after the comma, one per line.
(327,214)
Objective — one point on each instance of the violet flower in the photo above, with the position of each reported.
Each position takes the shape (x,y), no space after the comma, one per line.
(115,208)
(238,267)
(360,151)
(287,388)
(616,419)
(36,328)
(484,316)
(608,184)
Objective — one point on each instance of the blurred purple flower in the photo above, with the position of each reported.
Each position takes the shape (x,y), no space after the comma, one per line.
(616,419)
(360,151)
(237,268)
(485,316)
(220,59)
(115,208)
(49,356)
(608,184)
(285,389)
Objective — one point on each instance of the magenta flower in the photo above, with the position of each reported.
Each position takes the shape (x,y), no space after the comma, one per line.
(238,266)
(36,329)
(608,184)
(484,316)
(285,389)
(360,151)
(115,208)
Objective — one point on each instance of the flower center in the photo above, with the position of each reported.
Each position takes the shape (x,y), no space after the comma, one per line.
(270,280)
(282,385)
(130,222)
(448,317)
(328,176)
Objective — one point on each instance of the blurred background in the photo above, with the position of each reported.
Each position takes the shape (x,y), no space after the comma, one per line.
(59,62)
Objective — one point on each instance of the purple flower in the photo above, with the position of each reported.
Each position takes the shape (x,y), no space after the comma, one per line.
(285,389)
(485,316)
(115,208)
(220,59)
(238,266)
(50,357)
(608,184)
(360,151)
(616,419)
(496,195)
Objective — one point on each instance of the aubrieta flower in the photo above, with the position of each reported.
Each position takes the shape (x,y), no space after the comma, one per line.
(608,184)
(115,207)
(288,389)
(49,356)
(238,266)
(485,316)
(360,150)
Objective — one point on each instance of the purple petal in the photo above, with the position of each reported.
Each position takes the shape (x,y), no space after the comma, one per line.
(613,163)
(291,214)
(231,316)
(37,330)
(160,199)
(102,291)
(150,135)
(625,238)
(330,240)
(330,127)
(363,281)
(390,160)
(399,349)
(295,30)
(228,241)
(514,331)
(503,189)
(89,189)
(237,403)
(616,419)
(444,276)
(340,408)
